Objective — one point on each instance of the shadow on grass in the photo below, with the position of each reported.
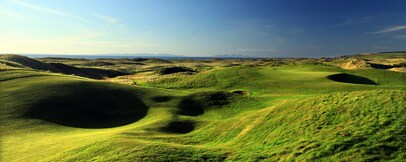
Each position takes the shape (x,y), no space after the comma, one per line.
(89,105)
(180,127)
(190,107)
(381,66)
(195,104)
(348,78)
(161,98)
(93,73)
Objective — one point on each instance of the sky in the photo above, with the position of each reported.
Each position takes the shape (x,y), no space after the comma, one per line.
(251,28)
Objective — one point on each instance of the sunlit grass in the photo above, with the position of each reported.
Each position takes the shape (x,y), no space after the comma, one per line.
(292,112)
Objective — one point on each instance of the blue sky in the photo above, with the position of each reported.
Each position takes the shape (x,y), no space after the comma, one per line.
(264,28)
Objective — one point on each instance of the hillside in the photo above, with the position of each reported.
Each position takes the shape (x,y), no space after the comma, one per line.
(17,61)
(270,110)
(395,61)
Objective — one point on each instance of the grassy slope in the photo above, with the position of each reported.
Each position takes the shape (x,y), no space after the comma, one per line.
(24,89)
(9,61)
(293,112)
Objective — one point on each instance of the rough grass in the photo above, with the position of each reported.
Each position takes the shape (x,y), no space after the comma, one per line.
(294,113)
(197,103)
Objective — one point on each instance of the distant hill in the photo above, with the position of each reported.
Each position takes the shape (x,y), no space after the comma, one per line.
(28,62)
(18,61)
(381,55)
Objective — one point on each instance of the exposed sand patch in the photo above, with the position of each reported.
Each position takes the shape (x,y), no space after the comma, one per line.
(354,64)
(398,69)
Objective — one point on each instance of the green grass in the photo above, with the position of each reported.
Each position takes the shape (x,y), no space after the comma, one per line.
(328,127)
(292,112)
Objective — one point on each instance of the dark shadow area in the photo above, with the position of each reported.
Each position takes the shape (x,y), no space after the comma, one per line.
(89,105)
(348,78)
(195,104)
(67,69)
(381,66)
(161,98)
(173,69)
(190,107)
(139,59)
(241,92)
(85,72)
(101,73)
(180,127)
(385,149)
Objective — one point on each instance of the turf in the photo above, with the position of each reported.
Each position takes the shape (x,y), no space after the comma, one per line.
(293,111)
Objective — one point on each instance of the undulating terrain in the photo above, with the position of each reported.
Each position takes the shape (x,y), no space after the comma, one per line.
(349,108)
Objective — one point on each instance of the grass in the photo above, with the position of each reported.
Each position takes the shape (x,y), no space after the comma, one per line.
(293,112)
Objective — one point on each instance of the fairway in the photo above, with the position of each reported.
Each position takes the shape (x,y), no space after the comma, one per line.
(302,111)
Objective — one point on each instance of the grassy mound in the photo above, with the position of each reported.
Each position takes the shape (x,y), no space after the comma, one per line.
(132,150)
(88,105)
(22,61)
(330,127)
(157,61)
(93,73)
(199,80)
(355,64)
(348,78)
(97,63)
(4,64)
(67,101)
(139,59)
(195,104)
(28,62)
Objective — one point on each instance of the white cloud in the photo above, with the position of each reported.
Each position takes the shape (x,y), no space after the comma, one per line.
(108,19)
(255,50)
(47,10)
(391,29)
